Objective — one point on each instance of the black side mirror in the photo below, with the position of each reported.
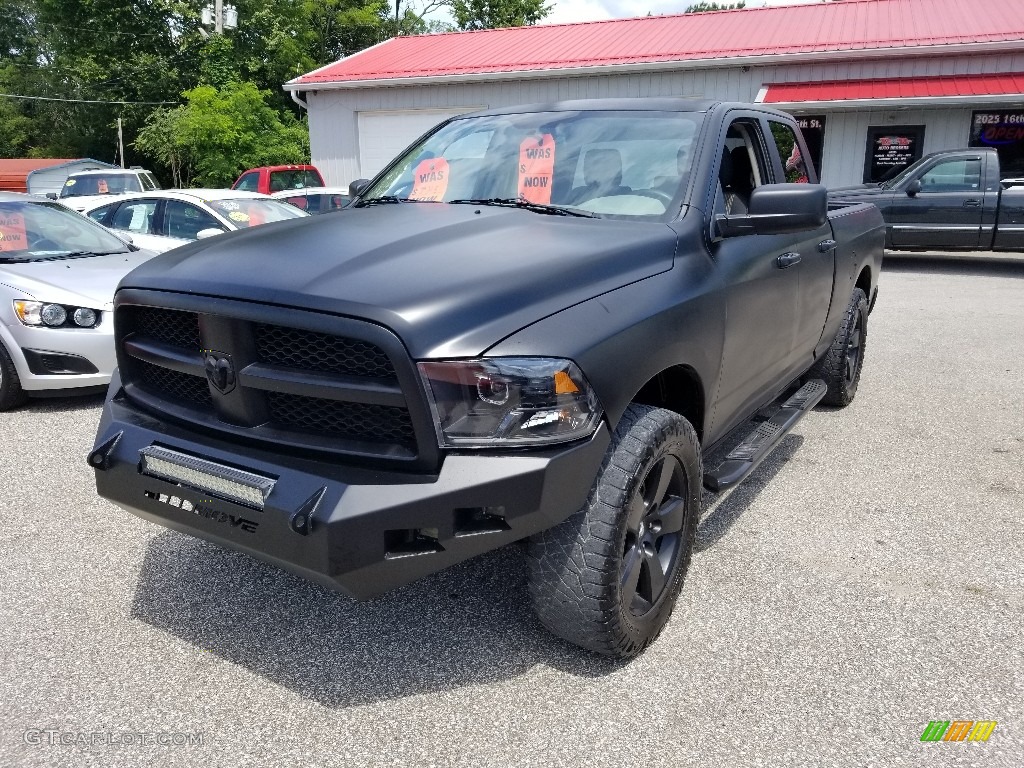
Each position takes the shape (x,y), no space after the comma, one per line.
(913,188)
(778,209)
(357,187)
(52,195)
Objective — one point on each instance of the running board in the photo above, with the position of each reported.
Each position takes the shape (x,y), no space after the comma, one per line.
(742,460)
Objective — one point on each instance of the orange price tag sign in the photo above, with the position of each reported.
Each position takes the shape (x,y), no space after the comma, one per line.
(537,168)
(12,232)
(101,187)
(430,179)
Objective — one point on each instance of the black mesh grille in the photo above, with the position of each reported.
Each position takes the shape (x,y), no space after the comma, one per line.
(167,325)
(183,387)
(312,351)
(356,421)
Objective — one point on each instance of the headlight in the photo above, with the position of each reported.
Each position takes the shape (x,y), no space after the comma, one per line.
(509,401)
(40,313)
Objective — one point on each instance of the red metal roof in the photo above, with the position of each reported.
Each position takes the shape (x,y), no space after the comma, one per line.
(13,173)
(847,25)
(896,88)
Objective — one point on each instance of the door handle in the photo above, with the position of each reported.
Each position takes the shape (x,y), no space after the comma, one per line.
(826,245)
(787,259)
(972,203)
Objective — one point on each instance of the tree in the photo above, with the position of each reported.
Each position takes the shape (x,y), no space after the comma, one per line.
(703,7)
(492,14)
(219,133)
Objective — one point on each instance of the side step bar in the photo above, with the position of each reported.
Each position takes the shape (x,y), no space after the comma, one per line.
(742,460)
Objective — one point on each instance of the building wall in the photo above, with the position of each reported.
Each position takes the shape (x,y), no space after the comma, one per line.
(333,114)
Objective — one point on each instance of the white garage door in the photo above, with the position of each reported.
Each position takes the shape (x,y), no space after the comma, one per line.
(382,135)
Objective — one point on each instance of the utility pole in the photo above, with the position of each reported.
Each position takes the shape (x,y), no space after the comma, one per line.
(120,142)
(218,16)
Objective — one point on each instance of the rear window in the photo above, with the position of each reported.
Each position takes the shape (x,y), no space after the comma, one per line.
(101,184)
(282,180)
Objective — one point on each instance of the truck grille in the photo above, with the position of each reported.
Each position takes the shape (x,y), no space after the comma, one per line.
(337,392)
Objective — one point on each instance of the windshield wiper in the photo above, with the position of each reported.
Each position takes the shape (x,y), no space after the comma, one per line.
(526,205)
(77,255)
(387,200)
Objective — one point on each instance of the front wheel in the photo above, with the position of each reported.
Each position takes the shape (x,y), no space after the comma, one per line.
(11,393)
(840,367)
(607,578)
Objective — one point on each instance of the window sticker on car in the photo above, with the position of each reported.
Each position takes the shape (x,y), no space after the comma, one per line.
(70,183)
(12,232)
(536,168)
(430,179)
(238,216)
(101,186)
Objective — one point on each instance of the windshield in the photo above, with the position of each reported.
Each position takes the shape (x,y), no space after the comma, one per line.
(282,180)
(31,230)
(252,211)
(615,164)
(101,184)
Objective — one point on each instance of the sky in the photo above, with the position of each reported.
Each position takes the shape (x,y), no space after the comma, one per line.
(570,11)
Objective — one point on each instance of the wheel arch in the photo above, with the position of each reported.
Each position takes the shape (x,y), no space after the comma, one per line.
(679,389)
(864,282)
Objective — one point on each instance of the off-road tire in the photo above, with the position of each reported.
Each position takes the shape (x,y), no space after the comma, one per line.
(11,393)
(841,366)
(646,499)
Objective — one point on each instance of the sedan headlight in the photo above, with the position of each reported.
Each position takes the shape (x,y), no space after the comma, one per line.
(50,315)
(509,401)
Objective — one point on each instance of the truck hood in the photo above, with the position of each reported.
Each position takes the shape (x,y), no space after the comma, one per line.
(449,280)
(89,281)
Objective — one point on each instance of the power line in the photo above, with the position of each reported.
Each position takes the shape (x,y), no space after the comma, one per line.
(82,101)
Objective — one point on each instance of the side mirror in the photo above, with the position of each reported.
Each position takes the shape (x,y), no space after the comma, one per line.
(913,188)
(126,237)
(778,209)
(52,195)
(357,187)
(202,234)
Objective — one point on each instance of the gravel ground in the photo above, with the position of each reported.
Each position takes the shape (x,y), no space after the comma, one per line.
(866,579)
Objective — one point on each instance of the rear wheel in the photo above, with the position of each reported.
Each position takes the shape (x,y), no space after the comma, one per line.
(607,578)
(840,367)
(11,393)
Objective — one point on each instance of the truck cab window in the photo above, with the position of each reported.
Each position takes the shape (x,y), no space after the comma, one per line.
(742,168)
(961,175)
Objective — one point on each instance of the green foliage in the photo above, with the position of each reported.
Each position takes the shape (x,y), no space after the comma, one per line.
(703,7)
(492,14)
(219,133)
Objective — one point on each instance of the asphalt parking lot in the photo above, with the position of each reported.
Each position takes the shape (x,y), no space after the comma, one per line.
(867,579)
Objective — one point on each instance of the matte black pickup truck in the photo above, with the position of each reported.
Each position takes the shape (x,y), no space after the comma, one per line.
(951,200)
(531,326)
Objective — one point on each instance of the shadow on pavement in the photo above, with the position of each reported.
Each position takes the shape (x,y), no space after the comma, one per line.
(468,625)
(995,264)
(717,517)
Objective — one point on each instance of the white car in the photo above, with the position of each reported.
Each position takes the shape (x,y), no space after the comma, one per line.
(89,188)
(58,274)
(314,200)
(165,219)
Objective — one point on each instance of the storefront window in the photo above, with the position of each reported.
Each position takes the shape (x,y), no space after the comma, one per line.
(890,149)
(1003,131)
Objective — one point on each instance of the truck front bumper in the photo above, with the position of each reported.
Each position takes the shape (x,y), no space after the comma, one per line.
(360,531)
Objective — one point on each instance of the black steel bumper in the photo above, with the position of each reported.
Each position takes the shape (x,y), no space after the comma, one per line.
(357,530)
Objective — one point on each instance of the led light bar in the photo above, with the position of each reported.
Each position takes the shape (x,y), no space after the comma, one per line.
(215,479)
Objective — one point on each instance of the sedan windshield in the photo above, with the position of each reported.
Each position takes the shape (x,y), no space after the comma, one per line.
(101,184)
(245,212)
(36,230)
(608,164)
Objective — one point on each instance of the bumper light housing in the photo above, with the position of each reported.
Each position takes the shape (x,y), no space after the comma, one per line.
(228,483)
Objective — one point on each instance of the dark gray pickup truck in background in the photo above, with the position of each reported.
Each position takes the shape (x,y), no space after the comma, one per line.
(950,200)
(531,326)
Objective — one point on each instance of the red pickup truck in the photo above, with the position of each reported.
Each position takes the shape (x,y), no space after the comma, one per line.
(277,178)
